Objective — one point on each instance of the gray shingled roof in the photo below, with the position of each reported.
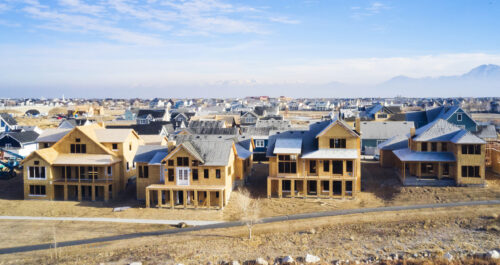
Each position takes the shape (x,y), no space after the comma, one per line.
(465,137)
(385,129)
(487,132)
(145,153)
(22,137)
(8,119)
(52,135)
(437,131)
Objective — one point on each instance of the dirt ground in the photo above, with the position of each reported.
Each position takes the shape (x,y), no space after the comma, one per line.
(380,187)
(423,233)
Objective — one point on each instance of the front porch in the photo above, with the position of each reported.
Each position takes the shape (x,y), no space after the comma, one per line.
(184,197)
(307,187)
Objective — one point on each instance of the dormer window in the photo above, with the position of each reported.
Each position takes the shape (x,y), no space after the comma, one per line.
(115,147)
(337,143)
(459,117)
(77,140)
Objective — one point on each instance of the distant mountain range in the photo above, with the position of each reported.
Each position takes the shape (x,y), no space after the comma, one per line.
(483,80)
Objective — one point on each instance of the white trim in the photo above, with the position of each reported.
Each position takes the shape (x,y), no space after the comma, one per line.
(260,141)
(30,195)
(33,178)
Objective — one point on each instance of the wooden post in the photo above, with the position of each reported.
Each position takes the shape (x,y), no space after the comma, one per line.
(318,187)
(78,168)
(92,192)
(208,199)
(172,199)
(404,172)
(269,182)
(343,189)
(439,170)
(79,190)
(304,187)
(280,188)
(147,198)
(330,190)
(160,198)
(106,193)
(221,203)
(195,199)
(65,192)
(184,198)
(292,188)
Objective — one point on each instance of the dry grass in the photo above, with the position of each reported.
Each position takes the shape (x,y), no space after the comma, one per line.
(41,122)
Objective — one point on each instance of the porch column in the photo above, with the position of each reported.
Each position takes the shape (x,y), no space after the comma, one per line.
(330,190)
(343,189)
(171,199)
(195,199)
(92,192)
(221,197)
(65,192)
(208,199)
(404,172)
(184,198)
(292,188)
(269,182)
(280,188)
(147,198)
(304,187)
(419,170)
(318,188)
(439,170)
(106,193)
(79,190)
(160,198)
(78,168)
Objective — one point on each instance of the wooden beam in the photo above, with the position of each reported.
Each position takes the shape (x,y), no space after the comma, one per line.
(221,203)
(159,198)
(195,198)
(208,199)
(79,190)
(318,188)
(147,198)
(65,192)
(92,192)
(172,199)
(330,190)
(269,184)
(304,187)
(184,198)
(106,193)
(292,188)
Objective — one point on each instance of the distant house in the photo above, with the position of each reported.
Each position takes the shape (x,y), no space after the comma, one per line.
(439,150)
(32,113)
(452,114)
(379,112)
(249,118)
(72,123)
(181,119)
(7,122)
(129,115)
(146,116)
(374,133)
(21,143)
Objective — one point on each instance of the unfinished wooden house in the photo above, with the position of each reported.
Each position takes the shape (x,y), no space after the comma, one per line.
(86,163)
(323,162)
(196,171)
(439,153)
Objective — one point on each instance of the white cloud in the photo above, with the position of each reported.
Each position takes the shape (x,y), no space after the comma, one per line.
(78,6)
(284,20)
(370,10)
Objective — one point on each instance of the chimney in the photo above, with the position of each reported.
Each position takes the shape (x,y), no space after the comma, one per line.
(357,124)
(412,131)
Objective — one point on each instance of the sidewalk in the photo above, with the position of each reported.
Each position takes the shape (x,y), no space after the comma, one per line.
(111,220)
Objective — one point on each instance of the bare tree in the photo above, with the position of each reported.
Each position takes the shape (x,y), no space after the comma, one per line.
(248,209)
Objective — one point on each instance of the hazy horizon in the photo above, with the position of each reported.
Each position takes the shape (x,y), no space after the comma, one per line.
(218,48)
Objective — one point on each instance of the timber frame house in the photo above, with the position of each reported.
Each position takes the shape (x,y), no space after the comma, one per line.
(87,163)
(194,172)
(322,162)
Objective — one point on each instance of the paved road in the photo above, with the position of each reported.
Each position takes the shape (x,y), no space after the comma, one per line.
(112,220)
(239,223)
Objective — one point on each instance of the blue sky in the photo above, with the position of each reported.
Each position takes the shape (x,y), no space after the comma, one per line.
(187,48)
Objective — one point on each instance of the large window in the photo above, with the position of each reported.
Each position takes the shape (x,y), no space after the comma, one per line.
(444,147)
(434,147)
(78,148)
(36,173)
(470,172)
(171,174)
(259,143)
(217,173)
(337,143)
(471,149)
(183,161)
(206,173)
(348,166)
(287,164)
(66,172)
(337,167)
(195,174)
(37,190)
(424,147)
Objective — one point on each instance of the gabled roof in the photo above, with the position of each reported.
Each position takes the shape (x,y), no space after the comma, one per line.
(438,131)
(8,119)
(210,150)
(242,152)
(22,137)
(155,113)
(334,122)
(206,124)
(288,146)
(395,143)
(52,135)
(146,153)
(487,132)
(465,137)
(113,135)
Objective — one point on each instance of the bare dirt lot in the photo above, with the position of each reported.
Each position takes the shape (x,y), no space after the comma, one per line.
(408,234)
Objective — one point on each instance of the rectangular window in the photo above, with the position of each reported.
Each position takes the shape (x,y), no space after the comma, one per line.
(348,166)
(424,147)
(146,172)
(206,173)
(128,167)
(217,173)
(183,161)
(444,147)
(459,117)
(446,169)
(171,174)
(434,147)
(37,190)
(471,149)
(141,171)
(46,145)
(326,166)
(195,174)
(259,143)
(312,166)
(115,147)
(170,162)
(287,164)
(470,172)
(337,143)
(130,147)
(78,148)
(337,167)
(110,171)
(348,188)
(36,173)
(77,140)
